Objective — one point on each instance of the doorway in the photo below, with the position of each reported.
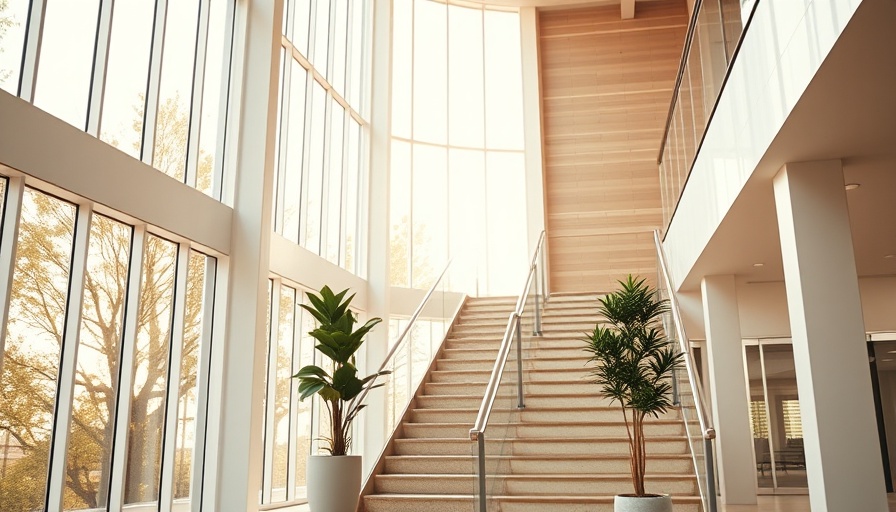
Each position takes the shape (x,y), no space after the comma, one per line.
(775,416)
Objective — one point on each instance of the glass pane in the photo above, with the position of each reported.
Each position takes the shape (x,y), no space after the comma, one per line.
(758,417)
(303,357)
(357,61)
(313,193)
(196,317)
(430,71)
(321,36)
(93,411)
(286,315)
(334,183)
(503,81)
(466,211)
(217,75)
(33,339)
(429,213)
(402,50)
(125,91)
(175,93)
(400,213)
(300,25)
(2,202)
(13,20)
(66,59)
(292,181)
(352,196)
(785,427)
(506,213)
(264,378)
(337,74)
(148,395)
(466,110)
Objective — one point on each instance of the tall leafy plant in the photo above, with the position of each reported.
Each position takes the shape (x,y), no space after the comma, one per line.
(338,340)
(633,362)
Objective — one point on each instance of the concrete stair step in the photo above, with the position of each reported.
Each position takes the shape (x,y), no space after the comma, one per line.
(534,485)
(540,429)
(472,401)
(532,387)
(577,375)
(465,503)
(506,412)
(539,446)
(529,350)
(529,363)
(539,464)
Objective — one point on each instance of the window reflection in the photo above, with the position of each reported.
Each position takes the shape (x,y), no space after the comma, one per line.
(125,89)
(148,394)
(281,402)
(13,20)
(217,76)
(33,344)
(66,59)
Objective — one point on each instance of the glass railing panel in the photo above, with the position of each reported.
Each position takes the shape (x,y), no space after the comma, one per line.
(718,27)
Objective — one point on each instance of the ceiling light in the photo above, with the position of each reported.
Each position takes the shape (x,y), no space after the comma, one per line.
(887,360)
(757,265)
(891,352)
(852,186)
(890,256)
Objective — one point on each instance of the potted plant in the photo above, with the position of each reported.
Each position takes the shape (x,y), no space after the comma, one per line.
(334,480)
(634,364)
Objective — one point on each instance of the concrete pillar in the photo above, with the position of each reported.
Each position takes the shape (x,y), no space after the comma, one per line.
(840,433)
(731,407)
(535,196)
(378,285)
(238,448)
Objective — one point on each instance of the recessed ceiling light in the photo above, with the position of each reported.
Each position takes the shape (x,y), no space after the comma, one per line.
(887,360)
(890,256)
(853,186)
(891,352)
(757,265)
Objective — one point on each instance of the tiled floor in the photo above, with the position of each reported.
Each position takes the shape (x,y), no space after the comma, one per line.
(785,504)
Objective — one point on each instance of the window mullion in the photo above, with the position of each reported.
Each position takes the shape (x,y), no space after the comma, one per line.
(172,401)
(306,156)
(224,103)
(295,366)
(100,65)
(126,369)
(325,181)
(68,358)
(280,175)
(343,184)
(271,392)
(197,97)
(151,104)
(31,53)
(11,216)
(202,383)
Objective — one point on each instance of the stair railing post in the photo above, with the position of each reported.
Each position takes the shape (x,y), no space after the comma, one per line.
(480,441)
(537,331)
(710,475)
(519,362)
(676,398)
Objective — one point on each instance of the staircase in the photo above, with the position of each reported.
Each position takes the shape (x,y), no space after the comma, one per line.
(567,451)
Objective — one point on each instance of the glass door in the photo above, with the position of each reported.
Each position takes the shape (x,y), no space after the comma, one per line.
(775,416)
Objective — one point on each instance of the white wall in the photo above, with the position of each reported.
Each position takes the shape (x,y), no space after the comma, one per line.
(781,52)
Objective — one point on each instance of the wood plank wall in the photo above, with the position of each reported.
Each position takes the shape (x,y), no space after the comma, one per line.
(606,88)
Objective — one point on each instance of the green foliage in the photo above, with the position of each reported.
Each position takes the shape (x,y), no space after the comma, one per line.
(337,339)
(633,361)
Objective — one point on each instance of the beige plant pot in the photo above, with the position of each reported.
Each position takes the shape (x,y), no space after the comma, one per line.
(661,503)
(334,483)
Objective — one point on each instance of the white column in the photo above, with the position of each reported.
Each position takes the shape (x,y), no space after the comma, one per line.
(532,125)
(239,459)
(724,354)
(839,429)
(378,286)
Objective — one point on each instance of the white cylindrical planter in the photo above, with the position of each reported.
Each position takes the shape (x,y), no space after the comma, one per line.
(334,483)
(643,503)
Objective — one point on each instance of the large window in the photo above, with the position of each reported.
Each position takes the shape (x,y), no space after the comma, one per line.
(148,76)
(458,166)
(108,327)
(322,134)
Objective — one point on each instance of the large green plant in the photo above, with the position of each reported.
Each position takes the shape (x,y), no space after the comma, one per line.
(634,362)
(338,340)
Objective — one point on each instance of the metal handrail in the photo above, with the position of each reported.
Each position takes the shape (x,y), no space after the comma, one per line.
(360,398)
(491,389)
(514,326)
(706,428)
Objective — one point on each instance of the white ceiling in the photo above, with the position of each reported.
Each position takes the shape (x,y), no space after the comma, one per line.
(847,112)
